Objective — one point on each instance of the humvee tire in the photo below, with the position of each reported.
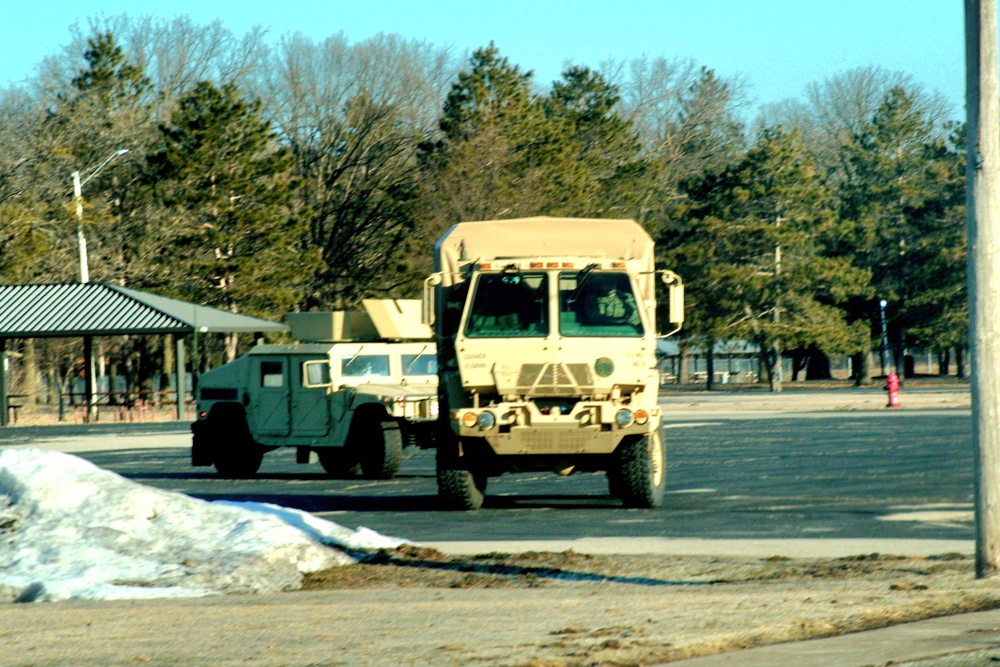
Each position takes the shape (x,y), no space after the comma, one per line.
(639,472)
(339,462)
(458,488)
(382,450)
(235,453)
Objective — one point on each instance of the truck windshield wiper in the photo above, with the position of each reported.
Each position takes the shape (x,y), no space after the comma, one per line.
(581,280)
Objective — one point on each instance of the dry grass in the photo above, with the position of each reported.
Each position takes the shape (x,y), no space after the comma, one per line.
(644,609)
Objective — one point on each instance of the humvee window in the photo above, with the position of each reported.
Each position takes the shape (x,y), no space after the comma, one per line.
(420,364)
(315,373)
(364,365)
(602,305)
(272,374)
(509,305)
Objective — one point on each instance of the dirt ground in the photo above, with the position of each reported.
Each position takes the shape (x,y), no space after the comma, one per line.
(418,607)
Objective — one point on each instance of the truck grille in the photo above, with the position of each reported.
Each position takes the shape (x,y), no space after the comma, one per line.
(542,440)
(555,379)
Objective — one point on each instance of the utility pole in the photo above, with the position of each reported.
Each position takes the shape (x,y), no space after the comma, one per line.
(983,218)
(776,373)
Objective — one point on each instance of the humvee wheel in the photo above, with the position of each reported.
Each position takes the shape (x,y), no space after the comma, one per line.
(458,488)
(235,453)
(382,453)
(639,474)
(339,462)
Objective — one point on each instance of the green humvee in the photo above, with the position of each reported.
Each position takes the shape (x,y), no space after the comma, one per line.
(359,389)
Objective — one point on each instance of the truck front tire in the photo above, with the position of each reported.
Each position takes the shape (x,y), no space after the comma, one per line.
(639,472)
(458,488)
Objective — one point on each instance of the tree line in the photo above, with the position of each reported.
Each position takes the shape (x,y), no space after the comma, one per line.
(308,175)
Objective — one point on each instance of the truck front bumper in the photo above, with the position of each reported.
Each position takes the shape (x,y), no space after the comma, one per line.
(517,429)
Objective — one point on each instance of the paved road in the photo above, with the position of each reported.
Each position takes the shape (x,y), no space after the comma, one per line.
(835,475)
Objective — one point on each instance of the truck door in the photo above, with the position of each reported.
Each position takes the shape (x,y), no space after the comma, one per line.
(310,397)
(269,410)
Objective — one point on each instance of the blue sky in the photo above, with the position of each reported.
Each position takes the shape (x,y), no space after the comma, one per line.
(778,46)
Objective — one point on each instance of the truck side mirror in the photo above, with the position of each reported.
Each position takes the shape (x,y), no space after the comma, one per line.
(675,292)
(427,304)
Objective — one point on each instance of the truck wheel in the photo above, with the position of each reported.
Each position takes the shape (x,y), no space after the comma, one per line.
(339,462)
(458,488)
(236,454)
(382,454)
(640,472)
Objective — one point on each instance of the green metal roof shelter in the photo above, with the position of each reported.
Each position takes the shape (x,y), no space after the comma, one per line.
(65,310)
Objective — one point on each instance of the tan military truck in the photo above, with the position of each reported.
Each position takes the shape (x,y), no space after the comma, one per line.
(547,339)
(355,390)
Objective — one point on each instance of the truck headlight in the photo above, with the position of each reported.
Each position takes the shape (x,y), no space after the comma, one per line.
(641,417)
(623,418)
(486,421)
(483,420)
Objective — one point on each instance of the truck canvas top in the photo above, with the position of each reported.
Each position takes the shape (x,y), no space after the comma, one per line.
(543,236)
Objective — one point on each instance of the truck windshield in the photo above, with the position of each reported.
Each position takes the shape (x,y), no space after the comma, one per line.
(602,305)
(507,305)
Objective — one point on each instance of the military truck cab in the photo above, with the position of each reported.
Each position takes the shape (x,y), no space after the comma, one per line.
(547,338)
(354,402)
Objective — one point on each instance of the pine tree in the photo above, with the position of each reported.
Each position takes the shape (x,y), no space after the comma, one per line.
(499,156)
(105,108)
(936,314)
(748,249)
(887,189)
(228,186)
(604,173)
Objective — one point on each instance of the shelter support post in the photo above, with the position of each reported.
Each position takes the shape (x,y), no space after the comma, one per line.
(181,376)
(4,416)
(89,397)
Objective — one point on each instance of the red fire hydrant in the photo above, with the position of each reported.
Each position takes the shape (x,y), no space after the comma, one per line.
(892,387)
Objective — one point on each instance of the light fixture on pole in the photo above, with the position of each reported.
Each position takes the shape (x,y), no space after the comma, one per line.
(78,198)
(885,334)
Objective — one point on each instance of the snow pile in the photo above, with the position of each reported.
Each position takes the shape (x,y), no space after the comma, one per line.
(71,530)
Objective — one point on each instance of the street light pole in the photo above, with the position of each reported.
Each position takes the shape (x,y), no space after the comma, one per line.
(89,373)
(78,198)
(81,239)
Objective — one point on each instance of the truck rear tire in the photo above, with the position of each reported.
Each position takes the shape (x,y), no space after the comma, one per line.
(458,488)
(339,462)
(382,454)
(235,453)
(640,472)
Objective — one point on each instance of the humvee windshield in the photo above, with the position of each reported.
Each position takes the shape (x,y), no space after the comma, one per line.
(420,364)
(597,304)
(362,365)
(507,305)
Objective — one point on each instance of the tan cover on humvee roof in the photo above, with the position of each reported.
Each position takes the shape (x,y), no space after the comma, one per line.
(382,319)
(543,236)
(397,319)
